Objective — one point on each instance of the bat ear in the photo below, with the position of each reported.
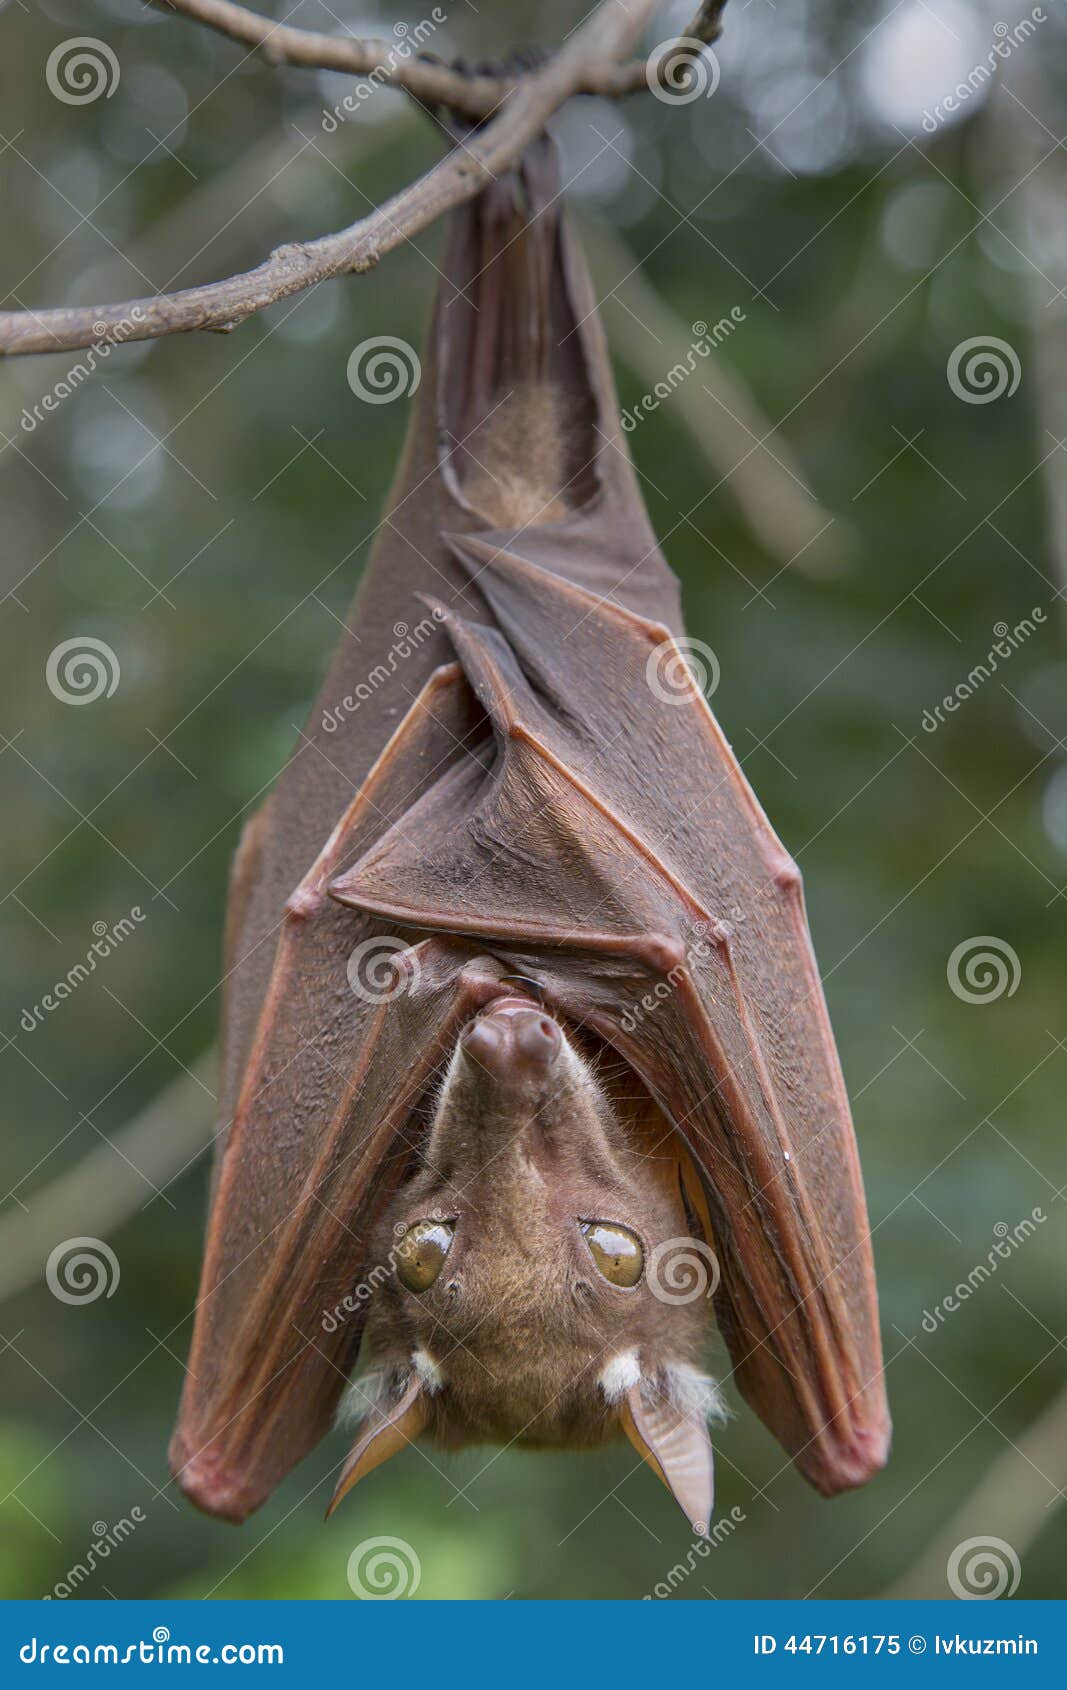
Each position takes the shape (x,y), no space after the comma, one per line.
(674,1441)
(397,1416)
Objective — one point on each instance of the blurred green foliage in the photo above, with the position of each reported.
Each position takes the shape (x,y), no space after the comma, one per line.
(216,564)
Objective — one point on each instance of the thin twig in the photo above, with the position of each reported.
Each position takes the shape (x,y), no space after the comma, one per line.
(393,64)
(471,94)
(226,214)
(606,35)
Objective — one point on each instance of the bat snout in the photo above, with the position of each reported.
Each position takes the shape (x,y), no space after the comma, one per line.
(513,1042)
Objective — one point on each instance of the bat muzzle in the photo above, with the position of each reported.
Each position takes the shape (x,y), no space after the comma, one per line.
(513,1042)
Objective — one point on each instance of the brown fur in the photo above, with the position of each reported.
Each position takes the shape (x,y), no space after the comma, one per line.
(520,1324)
(519,454)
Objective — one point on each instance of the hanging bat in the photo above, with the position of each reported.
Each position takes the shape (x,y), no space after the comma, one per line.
(526,1061)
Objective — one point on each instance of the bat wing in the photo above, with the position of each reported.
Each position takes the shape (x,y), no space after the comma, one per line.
(308,1069)
(354,1024)
(611,847)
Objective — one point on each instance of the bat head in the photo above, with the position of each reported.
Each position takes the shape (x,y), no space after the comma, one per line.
(520,1296)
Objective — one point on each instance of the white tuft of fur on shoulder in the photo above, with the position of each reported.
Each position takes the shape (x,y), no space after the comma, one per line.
(696,1394)
(619,1374)
(428,1371)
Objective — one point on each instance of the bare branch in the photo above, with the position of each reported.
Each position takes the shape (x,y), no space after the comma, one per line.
(608,34)
(707,25)
(471,94)
(225,213)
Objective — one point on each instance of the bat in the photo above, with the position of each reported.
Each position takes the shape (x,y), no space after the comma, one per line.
(526,1061)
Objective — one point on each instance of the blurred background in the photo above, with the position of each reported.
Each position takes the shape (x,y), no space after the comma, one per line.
(868,516)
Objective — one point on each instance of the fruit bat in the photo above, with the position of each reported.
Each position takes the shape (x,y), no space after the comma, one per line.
(526,1062)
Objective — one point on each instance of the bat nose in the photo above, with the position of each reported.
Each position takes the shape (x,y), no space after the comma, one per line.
(513,1042)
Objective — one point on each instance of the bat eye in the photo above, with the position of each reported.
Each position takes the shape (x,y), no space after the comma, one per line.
(421,1253)
(616,1251)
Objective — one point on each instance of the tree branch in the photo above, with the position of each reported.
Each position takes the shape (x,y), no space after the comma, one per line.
(471,94)
(607,35)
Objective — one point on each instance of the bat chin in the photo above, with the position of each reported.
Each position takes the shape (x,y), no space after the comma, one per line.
(210,1486)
